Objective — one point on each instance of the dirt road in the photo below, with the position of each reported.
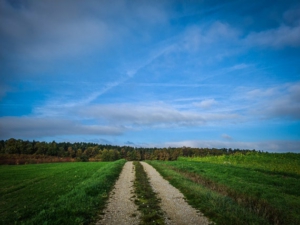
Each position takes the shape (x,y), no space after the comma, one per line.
(121,208)
(177,210)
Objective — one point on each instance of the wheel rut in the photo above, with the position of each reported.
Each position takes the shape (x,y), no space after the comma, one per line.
(121,208)
(177,210)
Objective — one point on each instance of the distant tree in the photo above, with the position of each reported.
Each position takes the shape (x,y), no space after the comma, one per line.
(41,148)
(78,153)
(71,152)
(11,146)
(61,152)
(123,154)
(52,149)
(84,158)
(105,155)
(111,155)
(2,146)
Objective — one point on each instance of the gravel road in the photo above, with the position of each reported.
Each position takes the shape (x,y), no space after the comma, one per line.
(121,207)
(177,210)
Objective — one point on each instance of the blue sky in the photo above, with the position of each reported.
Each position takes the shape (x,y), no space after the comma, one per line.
(152,73)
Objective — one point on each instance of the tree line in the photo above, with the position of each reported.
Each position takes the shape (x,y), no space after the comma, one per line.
(81,151)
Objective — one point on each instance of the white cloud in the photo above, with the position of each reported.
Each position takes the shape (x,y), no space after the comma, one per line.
(271,146)
(280,37)
(238,67)
(37,33)
(154,114)
(48,30)
(277,102)
(262,93)
(206,104)
(198,37)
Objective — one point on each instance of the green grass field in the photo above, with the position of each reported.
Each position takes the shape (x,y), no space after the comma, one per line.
(57,193)
(282,163)
(239,189)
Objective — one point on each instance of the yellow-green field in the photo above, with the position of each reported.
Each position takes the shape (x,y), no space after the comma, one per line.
(256,188)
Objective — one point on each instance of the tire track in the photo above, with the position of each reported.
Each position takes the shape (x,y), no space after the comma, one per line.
(177,210)
(121,208)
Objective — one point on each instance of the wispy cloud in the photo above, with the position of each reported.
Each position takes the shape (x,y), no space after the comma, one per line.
(206,104)
(226,137)
(167,84)
(153,114)
(278,102)
(238,67)
(3,90)
(283,36)
(197,37)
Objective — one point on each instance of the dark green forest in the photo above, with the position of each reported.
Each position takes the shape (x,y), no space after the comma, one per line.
(17,151)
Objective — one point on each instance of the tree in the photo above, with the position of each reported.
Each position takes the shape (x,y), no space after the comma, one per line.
(11,146)
(71,152)
(52,149)
(41,148)
(61,152)
(105,155)
(78,153)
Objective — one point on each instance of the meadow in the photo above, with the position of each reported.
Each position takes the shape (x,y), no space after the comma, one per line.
(253,188)
(56,193)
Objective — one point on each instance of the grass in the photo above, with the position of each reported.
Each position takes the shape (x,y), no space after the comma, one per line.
(279,163)
(147,201)
(236,193)
(60,193)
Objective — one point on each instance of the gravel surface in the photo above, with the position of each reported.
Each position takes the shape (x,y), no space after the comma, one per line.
(173,204)
(121,208)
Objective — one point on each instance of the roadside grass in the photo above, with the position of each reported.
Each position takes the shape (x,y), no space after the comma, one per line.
(235,195)
(147,200)
(58,193)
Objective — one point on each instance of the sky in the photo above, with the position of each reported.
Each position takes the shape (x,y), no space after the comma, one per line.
(164,73)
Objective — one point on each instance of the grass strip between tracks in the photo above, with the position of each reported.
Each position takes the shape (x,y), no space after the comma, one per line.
(147,200)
